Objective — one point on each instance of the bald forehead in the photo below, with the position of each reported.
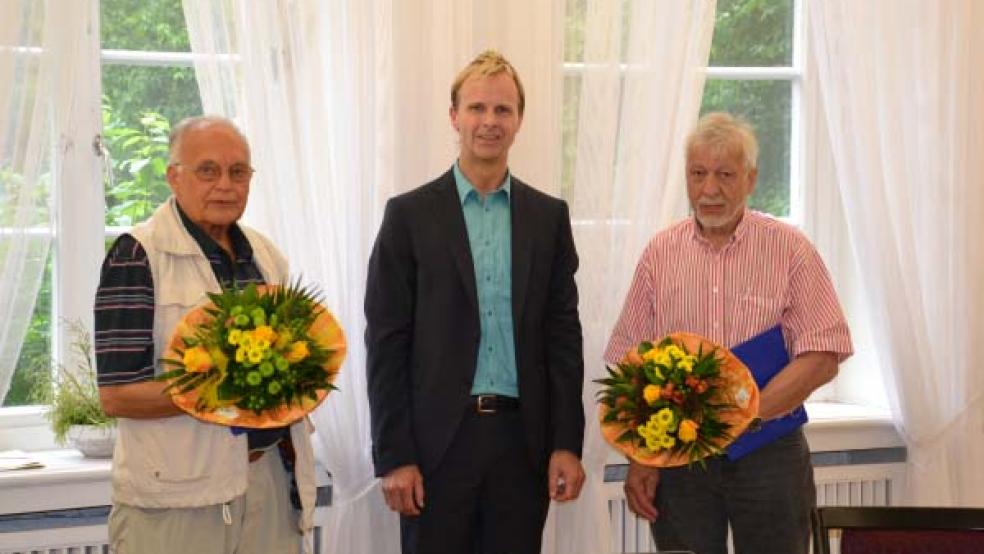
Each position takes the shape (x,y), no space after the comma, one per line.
(195,138)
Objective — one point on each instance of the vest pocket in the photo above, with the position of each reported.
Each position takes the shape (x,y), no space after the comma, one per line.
(180,450)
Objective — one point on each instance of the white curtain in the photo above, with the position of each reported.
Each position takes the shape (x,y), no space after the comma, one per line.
(640,92)
(901,87)
(300,77)
(43,71)
(346,104)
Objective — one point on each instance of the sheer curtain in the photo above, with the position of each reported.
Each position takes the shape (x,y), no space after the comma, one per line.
(301,79)
(346,104)
(640,92)
(901,86)
(44,67)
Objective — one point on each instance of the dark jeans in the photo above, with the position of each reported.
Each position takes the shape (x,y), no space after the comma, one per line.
(766,496)
(485,497)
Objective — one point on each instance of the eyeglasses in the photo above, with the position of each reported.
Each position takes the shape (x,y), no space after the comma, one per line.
(211,172)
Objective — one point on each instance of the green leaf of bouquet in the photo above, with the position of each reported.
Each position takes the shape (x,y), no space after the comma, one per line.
(628,435)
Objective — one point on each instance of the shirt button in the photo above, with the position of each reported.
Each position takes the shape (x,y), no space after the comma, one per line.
(489,312)
(488,278)
(715,290)
(716,324)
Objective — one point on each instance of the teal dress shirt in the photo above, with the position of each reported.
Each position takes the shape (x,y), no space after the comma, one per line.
(489,225)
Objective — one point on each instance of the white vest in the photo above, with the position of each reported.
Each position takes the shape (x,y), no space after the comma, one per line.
(179,461)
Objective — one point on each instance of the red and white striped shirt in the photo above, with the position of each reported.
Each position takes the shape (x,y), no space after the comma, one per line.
(767,273)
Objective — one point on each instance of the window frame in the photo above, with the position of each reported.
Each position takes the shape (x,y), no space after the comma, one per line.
(74,268)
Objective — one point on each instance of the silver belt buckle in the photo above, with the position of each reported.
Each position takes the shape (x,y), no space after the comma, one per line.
(481,403)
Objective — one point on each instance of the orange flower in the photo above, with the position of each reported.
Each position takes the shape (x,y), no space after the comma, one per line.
(265,332)
(688,430)
(197,360)
(651,394)
(298,351)
(633,357)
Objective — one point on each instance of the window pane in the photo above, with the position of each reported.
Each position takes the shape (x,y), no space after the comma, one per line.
(766,105)
(35,354)
(139,106)
(750,33)
(574,31)
(156,25)
(569,119)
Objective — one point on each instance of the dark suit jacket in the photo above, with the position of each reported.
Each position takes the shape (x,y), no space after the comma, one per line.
(423,325)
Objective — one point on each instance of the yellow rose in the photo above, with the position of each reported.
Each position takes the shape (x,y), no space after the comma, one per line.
(254,355)
(234,336)
(265,333)
(241,354)
(688,430)
(651,354)
(666,441)
(675,351)
(197,360)
(298,351)
(651,394)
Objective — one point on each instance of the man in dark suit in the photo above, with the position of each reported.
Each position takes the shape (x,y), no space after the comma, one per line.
(474,344)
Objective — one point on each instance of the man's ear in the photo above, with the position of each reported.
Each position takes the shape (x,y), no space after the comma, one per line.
(453,116)
(172,175)
(752,180)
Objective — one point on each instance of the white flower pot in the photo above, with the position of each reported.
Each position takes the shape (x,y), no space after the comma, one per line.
(93,441)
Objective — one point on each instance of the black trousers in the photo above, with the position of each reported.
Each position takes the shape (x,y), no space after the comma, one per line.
(485,497)
(766,497)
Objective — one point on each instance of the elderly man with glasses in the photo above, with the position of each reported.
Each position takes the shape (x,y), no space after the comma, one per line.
(180,485)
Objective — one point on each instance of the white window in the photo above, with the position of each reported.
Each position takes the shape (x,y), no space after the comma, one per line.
(758,70)
(147,83)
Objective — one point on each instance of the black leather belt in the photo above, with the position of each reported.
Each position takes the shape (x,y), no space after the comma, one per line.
(492,403)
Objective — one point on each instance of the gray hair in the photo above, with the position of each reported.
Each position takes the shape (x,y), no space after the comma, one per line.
(722,130)
(198,122)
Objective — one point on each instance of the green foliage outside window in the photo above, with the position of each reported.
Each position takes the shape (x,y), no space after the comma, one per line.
(747,33)
(139,160)
(139,105)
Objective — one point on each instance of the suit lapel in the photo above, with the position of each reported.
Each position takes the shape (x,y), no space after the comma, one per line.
(447,210)
(522,251)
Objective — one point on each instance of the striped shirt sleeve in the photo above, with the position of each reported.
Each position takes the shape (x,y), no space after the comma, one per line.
(124,314)
(636,320)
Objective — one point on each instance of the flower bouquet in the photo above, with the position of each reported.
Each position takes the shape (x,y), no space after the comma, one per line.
(677,401)
(259,356)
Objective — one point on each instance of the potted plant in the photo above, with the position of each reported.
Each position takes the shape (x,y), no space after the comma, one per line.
(72,397)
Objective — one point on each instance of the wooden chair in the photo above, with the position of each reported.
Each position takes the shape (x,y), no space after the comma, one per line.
(900,530)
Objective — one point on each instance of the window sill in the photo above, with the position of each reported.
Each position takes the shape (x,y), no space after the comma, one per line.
(67,480)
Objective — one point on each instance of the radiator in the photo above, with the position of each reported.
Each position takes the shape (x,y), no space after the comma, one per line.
(837,485)
(66,540)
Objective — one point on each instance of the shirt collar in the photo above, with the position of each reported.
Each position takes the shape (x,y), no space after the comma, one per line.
(466,188)
(240,245)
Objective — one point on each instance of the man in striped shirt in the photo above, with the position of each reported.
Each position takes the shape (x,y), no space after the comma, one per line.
(729,273)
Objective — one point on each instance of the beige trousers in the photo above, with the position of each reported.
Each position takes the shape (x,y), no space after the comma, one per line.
(262,521)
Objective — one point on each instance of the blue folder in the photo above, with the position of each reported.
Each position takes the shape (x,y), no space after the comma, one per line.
(765,355)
